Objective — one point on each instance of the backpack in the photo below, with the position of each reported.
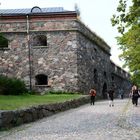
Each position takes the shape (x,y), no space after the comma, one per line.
(135,93)
(92,92)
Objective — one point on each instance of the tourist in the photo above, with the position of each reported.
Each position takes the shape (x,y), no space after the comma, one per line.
(121,94)
(111,97)
(92,93)
(135,95)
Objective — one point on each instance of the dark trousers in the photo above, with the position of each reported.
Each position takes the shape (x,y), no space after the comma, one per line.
(92,100)
(121,96)
(135,100)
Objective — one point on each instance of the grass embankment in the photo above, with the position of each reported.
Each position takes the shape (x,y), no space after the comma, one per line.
(25,101)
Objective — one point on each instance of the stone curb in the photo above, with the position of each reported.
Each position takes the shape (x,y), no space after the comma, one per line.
(9,119)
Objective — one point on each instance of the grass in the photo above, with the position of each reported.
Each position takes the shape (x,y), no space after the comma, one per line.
(24,101)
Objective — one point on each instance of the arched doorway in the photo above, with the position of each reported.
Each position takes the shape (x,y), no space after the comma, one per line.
(104,91)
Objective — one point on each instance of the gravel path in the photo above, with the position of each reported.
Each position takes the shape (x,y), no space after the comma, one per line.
(98,122)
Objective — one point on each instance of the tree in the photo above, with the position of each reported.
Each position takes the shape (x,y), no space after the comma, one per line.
(128,24)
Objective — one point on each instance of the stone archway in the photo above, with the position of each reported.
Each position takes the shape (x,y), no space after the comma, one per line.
(104,91)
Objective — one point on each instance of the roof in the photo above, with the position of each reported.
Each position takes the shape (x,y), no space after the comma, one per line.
(33,10)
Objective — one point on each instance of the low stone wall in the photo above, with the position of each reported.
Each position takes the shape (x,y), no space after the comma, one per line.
(13,118)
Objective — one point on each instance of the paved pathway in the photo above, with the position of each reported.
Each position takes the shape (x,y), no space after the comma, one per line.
(98,122)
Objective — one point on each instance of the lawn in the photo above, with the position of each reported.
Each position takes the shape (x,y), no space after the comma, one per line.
(25,101)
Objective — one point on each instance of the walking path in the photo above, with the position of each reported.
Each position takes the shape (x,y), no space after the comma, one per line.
(98,122)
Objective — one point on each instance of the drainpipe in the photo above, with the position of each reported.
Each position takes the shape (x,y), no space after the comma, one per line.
(29,53)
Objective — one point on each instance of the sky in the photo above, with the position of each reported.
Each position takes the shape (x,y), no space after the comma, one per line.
(95,14)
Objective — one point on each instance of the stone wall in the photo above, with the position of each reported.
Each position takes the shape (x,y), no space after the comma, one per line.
(14,118)
(120,80)
(70,59)
(58,60)
(90,58)
(14,59)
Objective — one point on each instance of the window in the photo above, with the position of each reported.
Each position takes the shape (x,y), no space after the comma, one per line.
(95,50)
(104,91)
(104,74)
(95,76)
(3,42)
(41,79)
(40,40)
(112,78)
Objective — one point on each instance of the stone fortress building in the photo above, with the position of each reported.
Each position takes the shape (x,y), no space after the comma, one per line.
(51,49)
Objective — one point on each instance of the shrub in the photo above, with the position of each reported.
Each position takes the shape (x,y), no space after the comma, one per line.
(11,86)
(3,41)
(33,92)
(61,92)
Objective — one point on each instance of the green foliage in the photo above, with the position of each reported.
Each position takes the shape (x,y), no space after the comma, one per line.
(130,45)
(128,24)
(135,78)
(3,41)
(61,92)
(11,86)
(126,19)
(33,92)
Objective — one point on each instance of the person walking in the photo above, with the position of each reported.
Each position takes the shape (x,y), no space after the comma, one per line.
(135,95)
(92,93)
(111,97)
(121,94)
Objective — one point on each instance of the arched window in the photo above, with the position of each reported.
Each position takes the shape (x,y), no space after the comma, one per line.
(113,82)
(95,76)
(104,91)
(3,42)
(40,40)
(112,77)
(105,74)
(41,79)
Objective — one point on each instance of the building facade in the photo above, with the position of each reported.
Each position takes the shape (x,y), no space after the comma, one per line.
(51,49)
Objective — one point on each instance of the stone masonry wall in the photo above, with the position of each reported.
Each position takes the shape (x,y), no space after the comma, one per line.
(58,60)
(91,57)
(14,59)
(69,60)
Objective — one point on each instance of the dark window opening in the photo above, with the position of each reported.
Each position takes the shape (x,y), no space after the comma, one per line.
(95,50)
(104,91)
(92,57)
(40,40)
(112,78)
(41,79)
(95,76)
(3,42)
(104,74)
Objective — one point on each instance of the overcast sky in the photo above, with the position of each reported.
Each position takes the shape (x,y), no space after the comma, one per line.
(95,14)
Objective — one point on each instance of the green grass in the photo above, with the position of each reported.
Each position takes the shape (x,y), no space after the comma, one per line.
(25,101)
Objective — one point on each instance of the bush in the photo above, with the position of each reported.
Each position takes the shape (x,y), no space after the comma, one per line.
(11,86)
(61,92)
(33,92)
